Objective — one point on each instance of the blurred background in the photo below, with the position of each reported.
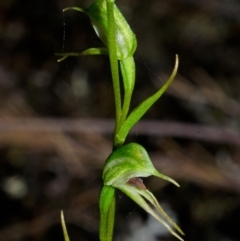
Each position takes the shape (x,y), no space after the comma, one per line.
(56,119)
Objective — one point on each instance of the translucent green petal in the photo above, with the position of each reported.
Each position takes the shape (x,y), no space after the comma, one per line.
(135,194)
(151,198)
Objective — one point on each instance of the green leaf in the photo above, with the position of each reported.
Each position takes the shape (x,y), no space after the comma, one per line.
(128,73)
(65,233)
(90,51)
(142,108)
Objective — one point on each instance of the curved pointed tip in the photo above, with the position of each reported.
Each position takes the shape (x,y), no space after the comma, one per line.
(75,9)
(160,175)
(174,182)
(177,59)
(63,58)
(176,64)
(62,215)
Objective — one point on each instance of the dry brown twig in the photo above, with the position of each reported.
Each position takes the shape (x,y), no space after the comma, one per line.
(10,129)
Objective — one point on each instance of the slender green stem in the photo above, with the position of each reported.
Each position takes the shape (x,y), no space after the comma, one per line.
(110,220)
(114,64)
(107,204)
(112,46)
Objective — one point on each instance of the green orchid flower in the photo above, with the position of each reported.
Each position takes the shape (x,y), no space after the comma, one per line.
(122,170)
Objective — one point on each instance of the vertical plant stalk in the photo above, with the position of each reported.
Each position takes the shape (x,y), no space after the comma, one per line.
(114,65)
(107,202)
(112,47)
(109,225)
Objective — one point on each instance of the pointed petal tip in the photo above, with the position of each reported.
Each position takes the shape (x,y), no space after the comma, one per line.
(169,179)
(176,184)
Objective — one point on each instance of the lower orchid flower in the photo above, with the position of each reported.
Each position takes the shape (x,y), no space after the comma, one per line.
(123,170)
